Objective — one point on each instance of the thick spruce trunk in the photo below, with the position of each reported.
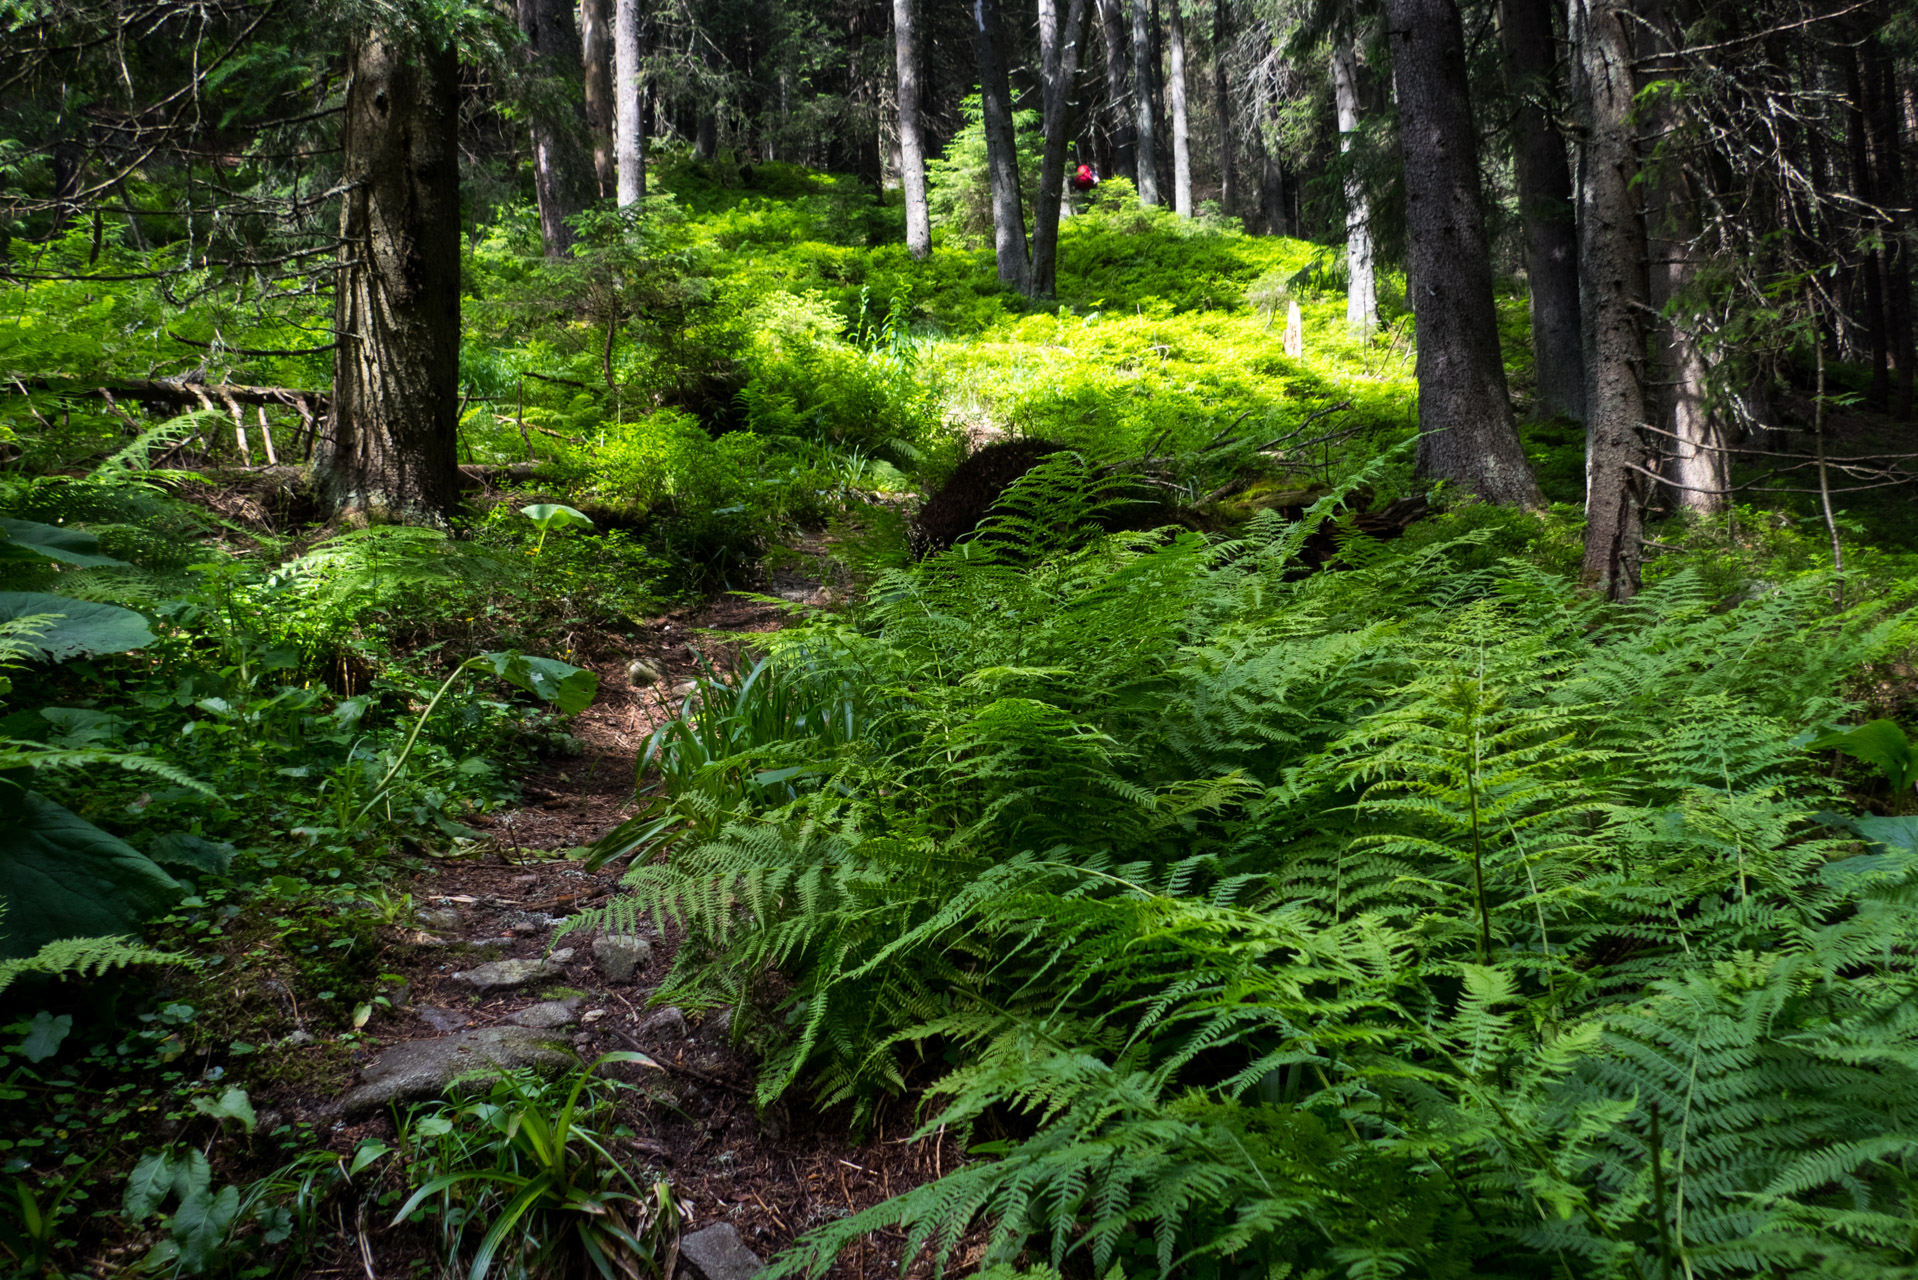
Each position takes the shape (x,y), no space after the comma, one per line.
(912,147)
(389,454)
(1060,70)
(1145,118)
(1612,294)
(1002,161)
(1181,122)
(1119,109)
(596,54)
(1361,289)
(1466,433)
(1222,108)
(560,176)
(1545,208)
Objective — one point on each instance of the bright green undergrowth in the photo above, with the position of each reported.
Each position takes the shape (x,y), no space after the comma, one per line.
(1424,917)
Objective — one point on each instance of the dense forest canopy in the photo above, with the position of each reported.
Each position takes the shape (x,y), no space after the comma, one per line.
(1040,638)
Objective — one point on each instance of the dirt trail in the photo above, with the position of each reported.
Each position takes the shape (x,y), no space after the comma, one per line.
(772,1176)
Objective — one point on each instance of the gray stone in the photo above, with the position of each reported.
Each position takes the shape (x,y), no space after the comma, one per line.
(716,1028)
(562,955)
(438,919)
(668,1024)
(716,1253)
(504,975)
(442,1020)
(620,955)
(419,1069)
(545,1017)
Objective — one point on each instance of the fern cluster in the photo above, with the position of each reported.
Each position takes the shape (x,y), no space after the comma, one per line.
(1406,919)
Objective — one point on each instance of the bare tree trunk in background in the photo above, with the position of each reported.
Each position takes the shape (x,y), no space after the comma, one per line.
(1222,107)
(1889,141)
(1145,118)
(1545,208)
(1181,136)
(1612,294)
(1864,189)
(1361,290)
(596,55)
(1119,90)
(391,450)
(558,126)
(1272,218)
(628,128)
(912,147)
(1002,161)
(1466,433)
(706,135)
(1060,72)
(1695,459)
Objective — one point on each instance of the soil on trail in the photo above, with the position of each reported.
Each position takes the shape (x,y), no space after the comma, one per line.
(773,1176)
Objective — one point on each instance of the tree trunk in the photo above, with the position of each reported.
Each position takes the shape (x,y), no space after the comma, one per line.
(391,451)
(1361,290)
(629,123)
(1119,105)
(1545,209)
(1145,118)
(596,53)
(1612,294)
(1695,461)
(706,135)
(1889,143)
(1002,162)
(1466,434)
(1060,72)
(1863,188)
(559,169)
(1222,107)
(912,148)
(1175,92)
(1271,219)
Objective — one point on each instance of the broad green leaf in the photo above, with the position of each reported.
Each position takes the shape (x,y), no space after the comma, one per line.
(83,629)
(178,849)
(54,543)
(231,1105)
(553,515)
(147,1186)
(567,687)
(44,1035)
(63,877)
(201,1224)
(369,1150)
(1882,743)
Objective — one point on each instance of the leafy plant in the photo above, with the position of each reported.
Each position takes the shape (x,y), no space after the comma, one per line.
(1882,743)
(549,516)
(550,1194)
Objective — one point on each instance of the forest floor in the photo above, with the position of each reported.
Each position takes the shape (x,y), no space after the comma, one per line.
(693,1120)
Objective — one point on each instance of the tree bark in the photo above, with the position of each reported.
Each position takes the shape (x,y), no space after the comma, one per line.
(1466,434)
(1361,290)
(1545,209)
(1145,118)
(1222,107)
(1695,461)
(1119,106)
(1181,136)
(1060,72)
(629,123)
(1002,162)
(557,123)
(390,453)
(596,54)
(1889,143)
(1612,294)
(912,147)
